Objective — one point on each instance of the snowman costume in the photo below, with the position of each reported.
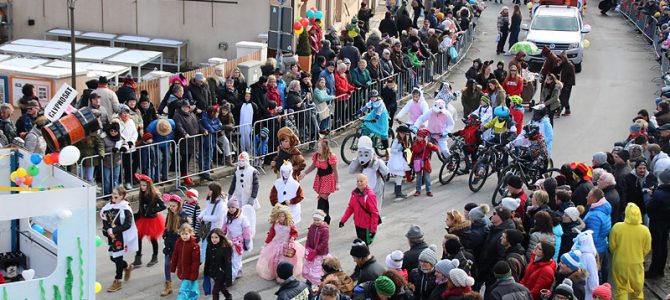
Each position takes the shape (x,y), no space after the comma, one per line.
(445,94)
(115,215)
(440,123)
(244,187)
(373,167)
(287,191)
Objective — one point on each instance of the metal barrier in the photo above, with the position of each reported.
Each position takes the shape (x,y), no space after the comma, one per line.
(304,124)
(648,26)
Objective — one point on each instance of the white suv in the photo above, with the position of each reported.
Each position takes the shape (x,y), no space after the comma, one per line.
(559,28)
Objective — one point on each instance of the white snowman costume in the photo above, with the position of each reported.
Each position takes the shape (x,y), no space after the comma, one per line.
(287,191)
(370,165)
(244,187)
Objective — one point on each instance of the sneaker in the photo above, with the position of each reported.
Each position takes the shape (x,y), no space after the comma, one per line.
(429,194)
(128,186)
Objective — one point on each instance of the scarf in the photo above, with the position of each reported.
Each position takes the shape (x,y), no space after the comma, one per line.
(230,217)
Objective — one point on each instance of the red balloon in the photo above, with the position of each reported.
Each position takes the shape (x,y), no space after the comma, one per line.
(313,9)
(54,157)
(304,22)
(297,26)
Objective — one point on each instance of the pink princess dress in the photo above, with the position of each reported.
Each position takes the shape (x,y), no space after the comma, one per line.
(276,250)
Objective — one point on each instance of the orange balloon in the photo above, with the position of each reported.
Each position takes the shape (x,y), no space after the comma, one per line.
(48,160)
(28,180)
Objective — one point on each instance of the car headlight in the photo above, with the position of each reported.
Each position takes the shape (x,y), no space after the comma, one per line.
(574,45)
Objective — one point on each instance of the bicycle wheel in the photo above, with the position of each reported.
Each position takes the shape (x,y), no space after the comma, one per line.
(380,150)
(349,148)
(478,175)
(450,168)
(501,187)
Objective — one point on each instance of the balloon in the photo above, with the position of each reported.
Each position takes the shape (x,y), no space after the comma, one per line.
(440,16)
(35,158)
(19,180)
(21,172)
(352,33)
(47,159)
(297,26)
(33,170)
(313,9)
(586,43)
(37,228)
(98,287)
(54,157)
(98,241)
(472,2)
(529,5)
(28,180)
(28,274)
(69,156)
(299,31)
(310,14)
(13,176)
(54,236)
(304,22)
(65,214)
(319,15)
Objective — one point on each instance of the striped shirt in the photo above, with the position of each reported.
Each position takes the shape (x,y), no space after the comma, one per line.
(192,211)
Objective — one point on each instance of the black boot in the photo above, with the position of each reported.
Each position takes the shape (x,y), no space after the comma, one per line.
(138,261)
(153,261)
(398,192)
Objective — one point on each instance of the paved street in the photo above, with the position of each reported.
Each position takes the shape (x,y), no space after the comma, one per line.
(614,84)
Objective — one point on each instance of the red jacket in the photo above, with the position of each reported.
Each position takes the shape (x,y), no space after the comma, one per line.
(186,259)
(517,115)
(274,95)
(342,87)
(538,276)
(320,234)
(418,153)
(513,86)
(272,232)
(364,208)
(520,211)
(2,279)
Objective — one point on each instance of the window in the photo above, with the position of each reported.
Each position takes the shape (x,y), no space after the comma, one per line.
(555,23)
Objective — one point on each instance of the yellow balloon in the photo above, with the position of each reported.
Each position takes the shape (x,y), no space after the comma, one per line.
(21,172)
(529,5)
(299,32)
(586,43)
(12,176)
(98,287)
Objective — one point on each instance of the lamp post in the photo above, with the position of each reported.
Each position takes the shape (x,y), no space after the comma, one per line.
(70,4)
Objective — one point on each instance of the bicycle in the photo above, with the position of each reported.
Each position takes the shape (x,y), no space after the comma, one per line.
(523,168)
(349,147)
(455,163)
(489,159)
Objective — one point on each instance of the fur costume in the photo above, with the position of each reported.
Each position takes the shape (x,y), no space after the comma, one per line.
(292,154)
(414,109)
(440,122)
(367,163)
(446,94)
(246,191)
(287,191)
(113,215)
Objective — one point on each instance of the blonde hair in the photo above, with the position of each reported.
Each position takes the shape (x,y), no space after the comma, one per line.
(325,150)
(173,219)
(541,197)
(186,228)
(281,209)
(455,215)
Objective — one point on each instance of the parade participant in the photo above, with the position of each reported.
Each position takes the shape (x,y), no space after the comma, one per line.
(327,178)
(119,228)
(421,153)
(533,141)
(584,243)
(212,216)
(363,205)
(373,167)
(236,228)
(472,136)
(149,220)
(192,209)
(185,261)
(280,245)
(175,218)
(445,94)
(375,121)
(287,191)
(244,187)
(503,127)
(415,108)
(629,243)
(316,248)
(440,122)
(287,150)
(218,263)
(551,90)
(547,131)
(397,163)
(471,96)
(517,111)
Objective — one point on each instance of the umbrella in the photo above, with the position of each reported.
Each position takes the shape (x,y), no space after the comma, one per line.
(527,47)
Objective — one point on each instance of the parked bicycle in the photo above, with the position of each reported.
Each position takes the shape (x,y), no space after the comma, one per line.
(489,161)
(524,169)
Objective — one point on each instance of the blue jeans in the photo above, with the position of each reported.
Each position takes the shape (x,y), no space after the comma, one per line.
(423,178)
(166,267)
(110,179)
(148,159)
(208,146)
(163,162)
(324,124)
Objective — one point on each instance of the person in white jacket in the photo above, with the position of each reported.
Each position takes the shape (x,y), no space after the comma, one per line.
(213,214)
(128,131)
(413,109)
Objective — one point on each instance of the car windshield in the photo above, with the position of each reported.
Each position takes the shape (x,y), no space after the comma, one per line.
(555,23)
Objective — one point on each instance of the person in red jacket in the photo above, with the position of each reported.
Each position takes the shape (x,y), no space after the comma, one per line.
(513,83)
(516,110)
(363,205)
(186,262)
(2,279)
(343,90)
(472,136)
(541,269)
(421,152)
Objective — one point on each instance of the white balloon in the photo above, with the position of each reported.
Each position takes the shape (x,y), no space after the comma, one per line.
(65,214)
(28,274)
(69,156)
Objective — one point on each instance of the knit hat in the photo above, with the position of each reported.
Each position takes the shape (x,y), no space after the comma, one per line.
(284,270)
(600,158)
(429,255)
(603,291)
(565,289)
(572,213)
(233,203)
(515,182)
(623,154)
(359,249)
(485,99)
(504,213)
(394,260)
(384,286)
(514,236)
(446,265)
(665,176)
(319,214)
(453,246)
(252,296)
(265,131)
(478,212)
(511,203)
(414,233)
(635,128)
(572,259)
(502,270)
(192,193)
(460,279)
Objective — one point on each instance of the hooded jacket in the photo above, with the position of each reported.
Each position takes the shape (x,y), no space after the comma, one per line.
(598,220)
(659,205)
(186,259)
(550,96)
(508,289)
(539,275)
(634,186)
(363,205)
(630,241)
(584,243)
(292,289)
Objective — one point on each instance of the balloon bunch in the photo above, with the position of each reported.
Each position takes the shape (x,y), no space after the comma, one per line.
(21,177)
(301,24)
(51,158)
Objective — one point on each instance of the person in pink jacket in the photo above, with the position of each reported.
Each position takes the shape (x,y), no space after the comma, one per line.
(363,205)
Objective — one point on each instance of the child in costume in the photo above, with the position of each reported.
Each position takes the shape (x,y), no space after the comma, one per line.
(212,216)
(421,152)
(287,191)
(502,126)
(516,110)
(326,179)
(236,228)
(375,122)
(485,113)
(185,261)
(445,94)
(540,118)
(248,110)
(192,209)
(244,187)
(261,142)
(280,245)
(218,263)
(175,218)
(316,248)
(373,167)
(119,228)
(472,137)
(150,222)
(397,163)
(287,150)
(440,123)
(532,140)
(415,108)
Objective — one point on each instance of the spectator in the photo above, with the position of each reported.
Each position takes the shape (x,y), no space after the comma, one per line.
(442,269)
(382,287)
(35,142)
(638,186)
(630,242)
(603,292)
(92,145)
(459,284)
(580,174)
(329,76)
(211,123)
(333,269)
(330,292)
(479,228)
(386,63)
(570,269)
(564,290)
(539,274)
(6,125)
(162,131)
(541,231)
(607,183)
(659,225)
(228,125)
(274,92)
(108,98)
(147,110)
(423,277)
(388,25)
(361,76)
(452,249)
(28,94)
(91,85)
(572,225)
(492,250)
(326,51)
(375,69)
(111,164)
(259,95)
(458,226)
(217,84)
(367,267)
(599,160)
(658,160)
(25,123)
(240,81)
(598,220)
(201,93)
(416,243)
(364,15)
(230,94)
(505,286)
(514,255)
(397,58)
(291,287)
(334,39)
(350,52)
(128,131)
(187,125)
(128,90)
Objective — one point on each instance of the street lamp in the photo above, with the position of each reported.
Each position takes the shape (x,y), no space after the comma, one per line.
(70,4)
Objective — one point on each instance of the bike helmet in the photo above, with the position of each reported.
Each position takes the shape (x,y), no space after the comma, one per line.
(472,119)
(501,112)
(516,100)
(423,132)
(532,130)
(539,112)
(403,129)
(374,93)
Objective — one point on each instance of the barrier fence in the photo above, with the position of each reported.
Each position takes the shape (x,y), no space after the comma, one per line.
(199,155)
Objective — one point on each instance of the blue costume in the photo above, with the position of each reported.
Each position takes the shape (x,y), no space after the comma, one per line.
(376,121)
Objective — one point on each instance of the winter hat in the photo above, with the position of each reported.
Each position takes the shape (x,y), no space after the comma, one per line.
(603,291)
(504,213)
(572,259)
(453,246)
(600,158)
(394,260)
(429,255)
(92,84)
(550,184)
(319,214)
(572,212)
(515,182)
(502,270)
(478,212)
(359,249)
(252,296)
(565,289)
(284,270)
(468,207)
(384,286)
(460,279)
(192,193)
(635,128)
(414,233)
(664,176)
(485,99)
(624,154)
(446,265)
(233,203)
(514,236)
(265,131)
(511,203)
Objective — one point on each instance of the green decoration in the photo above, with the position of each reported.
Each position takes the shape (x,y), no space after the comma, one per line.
(81,268)
(69,278)
(303,49)
(57,295)
(5,296)
(43,292)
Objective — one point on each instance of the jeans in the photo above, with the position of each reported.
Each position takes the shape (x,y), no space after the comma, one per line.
(603,274)
(87,173)
(163,162)
(659,245)
(423,178)
(208,146)
(110,179)
(131,162)
(324,124)
(166,267)
(225,144)
(148,160)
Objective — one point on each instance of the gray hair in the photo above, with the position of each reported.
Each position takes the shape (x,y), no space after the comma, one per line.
(293,84)
(177,88)
(341,67)
(608,178)
(6,107)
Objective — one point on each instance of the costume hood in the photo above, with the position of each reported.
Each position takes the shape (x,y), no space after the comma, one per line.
(286,170)
(365,153)
(633,214)
(243,160)
(439,107)
(445,93)
(584,242)
(286,132)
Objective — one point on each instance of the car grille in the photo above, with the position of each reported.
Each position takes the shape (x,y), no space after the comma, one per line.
(556,46)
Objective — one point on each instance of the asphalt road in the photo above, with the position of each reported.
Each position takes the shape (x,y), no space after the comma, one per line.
(616,81)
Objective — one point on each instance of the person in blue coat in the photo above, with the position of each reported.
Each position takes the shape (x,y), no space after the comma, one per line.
(210,121)
(328,74)
(376,121)
(599,221)
(162,131)
(540,118)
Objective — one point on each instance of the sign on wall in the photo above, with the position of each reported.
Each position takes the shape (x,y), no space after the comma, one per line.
(43,89)
(4,89)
